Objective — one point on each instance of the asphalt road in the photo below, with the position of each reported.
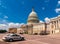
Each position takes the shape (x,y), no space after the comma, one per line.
(35,39)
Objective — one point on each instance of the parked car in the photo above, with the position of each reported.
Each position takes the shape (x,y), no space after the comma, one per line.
(12,37)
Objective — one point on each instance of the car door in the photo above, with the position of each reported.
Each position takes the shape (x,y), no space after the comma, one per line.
(18,37)
(14,37)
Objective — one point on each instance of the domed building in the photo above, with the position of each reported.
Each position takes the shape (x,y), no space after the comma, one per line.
(34,26)
(33,18)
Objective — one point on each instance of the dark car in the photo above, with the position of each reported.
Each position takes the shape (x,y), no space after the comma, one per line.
(13,37)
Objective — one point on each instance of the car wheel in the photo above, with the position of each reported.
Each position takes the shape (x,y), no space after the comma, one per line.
(10,40)
(22,39)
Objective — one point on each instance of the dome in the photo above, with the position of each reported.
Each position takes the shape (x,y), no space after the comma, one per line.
(34,14)
(33,18)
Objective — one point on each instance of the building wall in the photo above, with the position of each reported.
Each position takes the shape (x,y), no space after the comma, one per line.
(37,28)
(30,29)
(12,30)
(20,30)
(53,27)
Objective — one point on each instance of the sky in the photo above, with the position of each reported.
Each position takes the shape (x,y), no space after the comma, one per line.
(17,11)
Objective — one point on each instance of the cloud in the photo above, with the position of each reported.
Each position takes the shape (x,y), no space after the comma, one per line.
(47,20)
(58,2)
(3,27)
(14,25)
(5,24)
(10,25)
(41,21)
(58,15)
(43,8)
(57,10)
(2,4)
(5,16)
(3,21)
(22,24)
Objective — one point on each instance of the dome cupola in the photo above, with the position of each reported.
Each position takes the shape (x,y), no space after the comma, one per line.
(33,18)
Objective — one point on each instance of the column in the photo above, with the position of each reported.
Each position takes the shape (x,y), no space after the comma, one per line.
(50,27)
(56,24)
(59,25)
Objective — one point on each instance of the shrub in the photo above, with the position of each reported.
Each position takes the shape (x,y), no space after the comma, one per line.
(44,33)
(25,32)
(20,33)
(35,33)
(3,31)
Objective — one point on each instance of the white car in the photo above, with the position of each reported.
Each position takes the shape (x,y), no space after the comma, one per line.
(13,37)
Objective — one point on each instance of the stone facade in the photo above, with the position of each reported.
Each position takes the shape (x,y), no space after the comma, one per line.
(12,30)
(55,25)
(37,28)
